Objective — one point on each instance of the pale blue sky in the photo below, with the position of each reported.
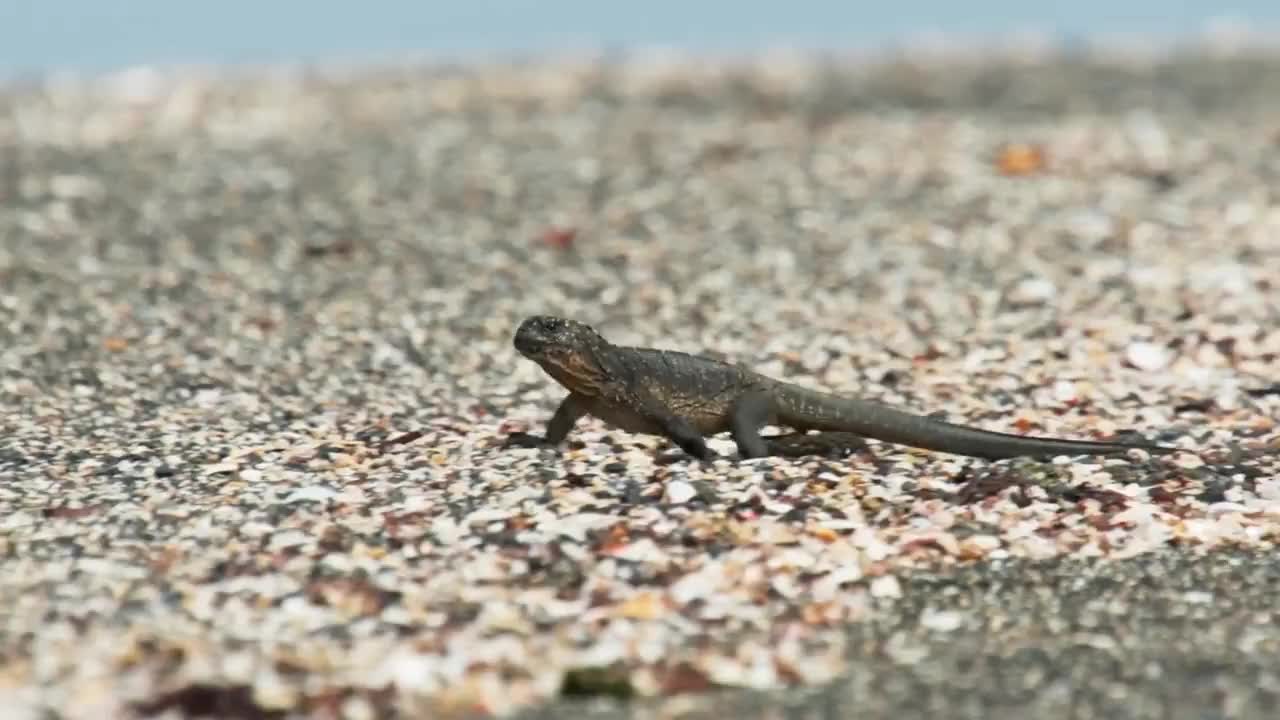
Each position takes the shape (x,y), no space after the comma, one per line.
(107,34)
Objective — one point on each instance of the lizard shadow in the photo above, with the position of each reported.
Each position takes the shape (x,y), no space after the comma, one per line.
(830,445)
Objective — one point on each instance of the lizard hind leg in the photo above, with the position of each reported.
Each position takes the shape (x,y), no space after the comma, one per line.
(749,413)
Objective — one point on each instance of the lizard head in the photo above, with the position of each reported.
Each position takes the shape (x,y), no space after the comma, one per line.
(568,350)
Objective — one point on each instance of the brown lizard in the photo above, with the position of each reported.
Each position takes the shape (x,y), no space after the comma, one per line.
(687,398)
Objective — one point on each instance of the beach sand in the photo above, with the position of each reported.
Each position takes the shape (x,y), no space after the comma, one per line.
(256,369)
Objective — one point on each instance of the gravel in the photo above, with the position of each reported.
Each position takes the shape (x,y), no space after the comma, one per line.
(1168,635)
(256,369)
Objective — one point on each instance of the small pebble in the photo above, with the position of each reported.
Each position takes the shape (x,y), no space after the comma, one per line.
(1148,356)
(886,586)
(941,620)
(679,492)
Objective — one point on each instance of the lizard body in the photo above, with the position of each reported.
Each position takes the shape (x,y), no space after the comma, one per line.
(687,398)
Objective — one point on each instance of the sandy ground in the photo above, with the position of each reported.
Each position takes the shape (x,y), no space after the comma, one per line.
(256,371)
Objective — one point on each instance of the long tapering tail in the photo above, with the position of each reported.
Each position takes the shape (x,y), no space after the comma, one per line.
(806,409)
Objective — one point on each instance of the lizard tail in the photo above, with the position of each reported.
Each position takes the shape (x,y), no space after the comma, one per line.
(806,409)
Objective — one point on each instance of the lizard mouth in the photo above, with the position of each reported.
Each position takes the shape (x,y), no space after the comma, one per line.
(530,351)
(530,344)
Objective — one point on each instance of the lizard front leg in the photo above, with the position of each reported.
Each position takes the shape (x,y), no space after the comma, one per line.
(570,410)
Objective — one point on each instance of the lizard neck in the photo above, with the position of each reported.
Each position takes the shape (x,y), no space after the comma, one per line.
(585,372)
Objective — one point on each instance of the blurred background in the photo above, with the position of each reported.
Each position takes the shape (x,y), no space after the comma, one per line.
(98,35)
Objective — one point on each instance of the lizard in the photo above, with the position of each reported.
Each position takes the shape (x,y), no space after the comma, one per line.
(687,398)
